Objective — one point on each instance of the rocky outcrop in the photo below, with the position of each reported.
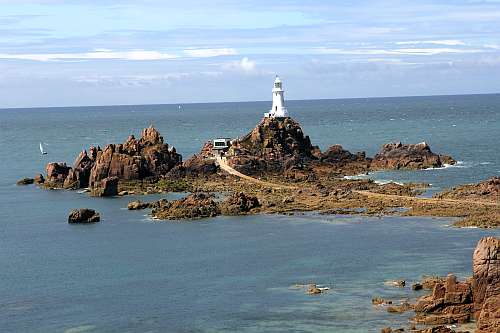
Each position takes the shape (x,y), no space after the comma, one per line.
(449,303)
(477,298)
(238,204)
(194,206)
(135,159)
(486,284)
(83,215)
(274,145)
(202,164)
(107,187)
(79,175)
(336,154)
(408,156)
(56,173)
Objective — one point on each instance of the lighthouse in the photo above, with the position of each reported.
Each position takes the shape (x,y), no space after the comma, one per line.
(278,110)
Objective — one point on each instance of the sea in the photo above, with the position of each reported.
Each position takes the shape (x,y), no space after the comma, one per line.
(130,273)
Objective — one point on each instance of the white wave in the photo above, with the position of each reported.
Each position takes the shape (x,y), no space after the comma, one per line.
(459,164)
(485,163)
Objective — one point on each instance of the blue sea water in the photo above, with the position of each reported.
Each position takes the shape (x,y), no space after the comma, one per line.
(131,274)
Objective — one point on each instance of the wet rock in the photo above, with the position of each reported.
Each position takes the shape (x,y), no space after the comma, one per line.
(83,216)
(417,286)
(138,205)
(313,289)
(25,181)
(238,204)
(194,206)
(396,283)
(485,190)
(408,156)
(107,187)
(380,301)
(401,308)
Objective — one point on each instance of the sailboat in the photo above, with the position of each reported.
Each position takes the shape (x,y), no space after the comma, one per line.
(41,149)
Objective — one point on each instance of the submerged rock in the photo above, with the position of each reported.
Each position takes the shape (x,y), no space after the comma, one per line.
(25,181)
(83,215)
(408,156)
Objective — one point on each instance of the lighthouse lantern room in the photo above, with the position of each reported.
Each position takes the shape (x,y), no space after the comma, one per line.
(278,110)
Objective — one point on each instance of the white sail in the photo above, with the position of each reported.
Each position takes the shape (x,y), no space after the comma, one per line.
(41,149)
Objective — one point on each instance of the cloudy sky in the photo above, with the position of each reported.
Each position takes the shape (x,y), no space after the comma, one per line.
(101,52)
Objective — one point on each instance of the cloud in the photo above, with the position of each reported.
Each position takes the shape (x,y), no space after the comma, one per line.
(399,51)
(446,42)
(208,53)
(244,65)
(99,54)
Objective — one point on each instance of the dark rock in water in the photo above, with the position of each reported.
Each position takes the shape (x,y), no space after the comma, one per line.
(272,146)
(107,187)
(135,159)
(79,175)
(417,286)
(486,284)
(194,206)
(437,329)
(83,215)
(238,204)
(39,179)
(25,181)
(408,156)
(57,173)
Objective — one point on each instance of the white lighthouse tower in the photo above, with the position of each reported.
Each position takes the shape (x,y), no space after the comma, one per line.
(278,110)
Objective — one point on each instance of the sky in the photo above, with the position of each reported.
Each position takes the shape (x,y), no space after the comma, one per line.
(109,52)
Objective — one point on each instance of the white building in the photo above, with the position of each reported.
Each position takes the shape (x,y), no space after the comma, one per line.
(278,110)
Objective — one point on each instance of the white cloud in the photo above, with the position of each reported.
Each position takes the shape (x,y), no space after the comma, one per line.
(446,42)
(208,53)
(401,51)
(99,54)
(245,65)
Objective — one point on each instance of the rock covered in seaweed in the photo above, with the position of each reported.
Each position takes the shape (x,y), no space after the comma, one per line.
(485,190)
(238,204)
(194,206)
(408,156)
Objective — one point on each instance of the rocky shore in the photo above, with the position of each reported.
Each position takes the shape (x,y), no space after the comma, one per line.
(459,302)
(287,172)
